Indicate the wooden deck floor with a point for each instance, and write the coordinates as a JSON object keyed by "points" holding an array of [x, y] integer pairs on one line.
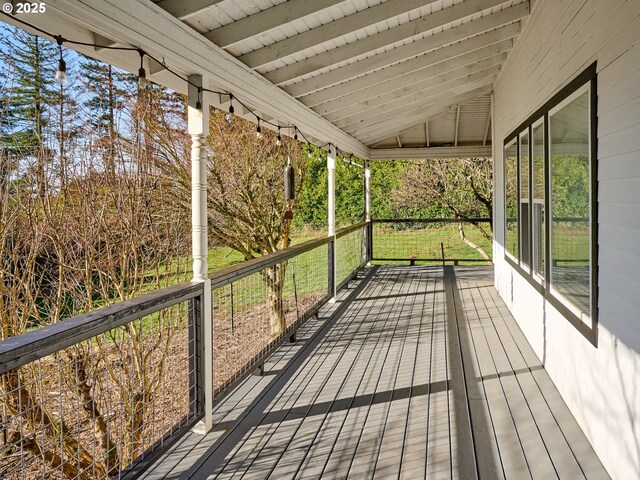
{"points": [[416, 372]]}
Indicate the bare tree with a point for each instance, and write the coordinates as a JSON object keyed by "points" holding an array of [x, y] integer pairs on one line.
{"points": [[462, 188], [246, 207]]}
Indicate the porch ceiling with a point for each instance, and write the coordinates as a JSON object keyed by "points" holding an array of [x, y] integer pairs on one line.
{"points": [[362, 74]]}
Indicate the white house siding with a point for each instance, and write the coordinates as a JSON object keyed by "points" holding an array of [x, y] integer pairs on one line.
{"points": [[601, 385]]}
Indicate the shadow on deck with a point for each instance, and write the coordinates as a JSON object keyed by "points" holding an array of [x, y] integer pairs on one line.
{"points": [[415, 372]]}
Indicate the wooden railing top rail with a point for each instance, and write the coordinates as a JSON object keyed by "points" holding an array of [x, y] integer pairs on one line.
{"points": [[28, 347], [430, 220], [244, 269]]}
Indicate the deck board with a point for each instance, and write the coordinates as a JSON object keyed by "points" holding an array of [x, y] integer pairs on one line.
{"points": [[415, 372]]}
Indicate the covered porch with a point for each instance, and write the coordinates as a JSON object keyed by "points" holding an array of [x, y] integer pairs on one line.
{"points": [[436, 368], [414, 372]]}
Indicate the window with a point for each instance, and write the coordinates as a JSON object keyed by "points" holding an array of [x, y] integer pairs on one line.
{"points": [[538, 195], [570, 177], [550, 201], [525, 216], [511, 198]]}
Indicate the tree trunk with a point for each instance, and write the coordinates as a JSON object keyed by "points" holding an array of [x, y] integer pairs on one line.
{"points": [[476, 247], [274, 279], [19, 401]]}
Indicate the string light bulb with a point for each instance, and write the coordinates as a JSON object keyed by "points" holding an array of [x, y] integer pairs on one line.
{"points": [[231, 111], [279, 139], [295, 134], [143, 82], [142, 74], [61, 72], [198, 102], [258, 130]]}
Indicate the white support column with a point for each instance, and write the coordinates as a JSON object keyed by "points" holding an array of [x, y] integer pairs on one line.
{"points": [[198, 126], [331, 220], [331, 199], [198, 129], [367, 209], [367, 191]]}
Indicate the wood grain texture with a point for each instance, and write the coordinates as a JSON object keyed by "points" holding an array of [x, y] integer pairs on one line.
{"points": [[411, 374]]}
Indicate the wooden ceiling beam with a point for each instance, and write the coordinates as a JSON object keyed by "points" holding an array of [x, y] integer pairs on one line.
{"points": [[184, 9], [266, 20], [473, 31], [330, 31], [492, 54], [400, 33], [430, 152], [439, 83], [421, 100], [402, 121]]}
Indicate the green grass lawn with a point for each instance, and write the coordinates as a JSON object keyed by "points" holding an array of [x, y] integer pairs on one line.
{"points": [[429, 243]]}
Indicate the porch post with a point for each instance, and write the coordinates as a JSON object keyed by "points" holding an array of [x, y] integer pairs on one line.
{"points": [[367, 209], [331, 209], [198, 127]]}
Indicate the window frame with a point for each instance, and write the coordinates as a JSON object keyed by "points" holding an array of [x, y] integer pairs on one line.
{"points": [[542, 279], [512, 143], [586, 88], [522, 241], [585, 81]]}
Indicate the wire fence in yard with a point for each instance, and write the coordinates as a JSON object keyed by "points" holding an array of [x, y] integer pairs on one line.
{"points": [[432, 241]]}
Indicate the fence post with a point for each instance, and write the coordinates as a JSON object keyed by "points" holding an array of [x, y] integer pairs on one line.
{"points": [[331, 220]]}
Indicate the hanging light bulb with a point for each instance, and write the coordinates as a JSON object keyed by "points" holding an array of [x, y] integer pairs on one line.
{"points": [[198, 102], [295, 135], [142, 74], [231, 112], [258, 130], [61, 72], [279, 139]]}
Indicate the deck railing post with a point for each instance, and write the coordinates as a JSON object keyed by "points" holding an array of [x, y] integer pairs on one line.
{"points": [[196, 357], [367, 210], [331, 220], [331, 257], [198, 126]]}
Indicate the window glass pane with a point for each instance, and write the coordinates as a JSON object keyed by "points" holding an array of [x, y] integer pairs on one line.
{"points": [[511, 198], [537, 186], [570, 202], [524, 198]]}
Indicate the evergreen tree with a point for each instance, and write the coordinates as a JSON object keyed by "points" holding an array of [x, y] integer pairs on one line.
{"points": [[105, 97], [32, 100]]}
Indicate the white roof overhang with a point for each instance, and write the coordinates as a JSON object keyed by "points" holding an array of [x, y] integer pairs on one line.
{"points": [[378, 79]]}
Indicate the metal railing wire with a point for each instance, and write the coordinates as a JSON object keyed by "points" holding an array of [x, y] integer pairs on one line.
{"points": [[456, 241], [351, 251], [101, 395], [255, 310], [94, 396]]}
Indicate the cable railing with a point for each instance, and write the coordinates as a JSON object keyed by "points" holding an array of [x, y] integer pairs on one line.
{"points": [[101, 395], [95, 395], [453, 241]]}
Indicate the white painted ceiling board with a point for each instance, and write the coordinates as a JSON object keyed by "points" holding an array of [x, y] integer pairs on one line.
{"points": [[374, 65]]}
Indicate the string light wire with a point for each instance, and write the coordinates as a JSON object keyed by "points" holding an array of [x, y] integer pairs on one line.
{"points": [[142, 76]]}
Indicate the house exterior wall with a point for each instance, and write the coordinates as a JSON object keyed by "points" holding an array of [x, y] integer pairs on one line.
{"points": [[600, 384]]}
